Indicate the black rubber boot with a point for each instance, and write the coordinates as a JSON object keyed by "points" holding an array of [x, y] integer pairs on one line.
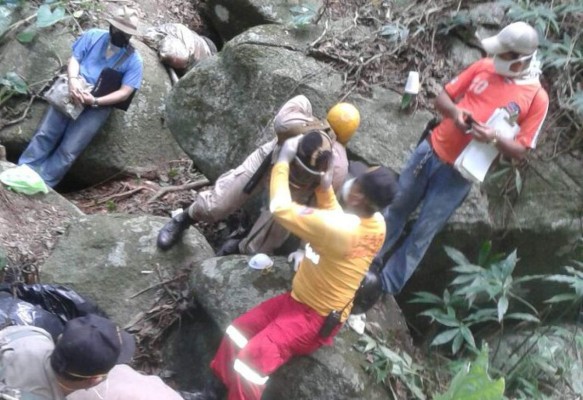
{"points": [[231, 246], [172, 231]]}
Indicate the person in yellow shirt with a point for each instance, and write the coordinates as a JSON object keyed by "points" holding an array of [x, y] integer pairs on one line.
{"points": [[341, 246]]}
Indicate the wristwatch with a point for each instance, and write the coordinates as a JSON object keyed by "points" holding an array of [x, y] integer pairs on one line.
{"points": [[95, 103]]}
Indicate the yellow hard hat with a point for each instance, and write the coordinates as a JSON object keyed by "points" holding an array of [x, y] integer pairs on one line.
{"points": [[344, 120]]}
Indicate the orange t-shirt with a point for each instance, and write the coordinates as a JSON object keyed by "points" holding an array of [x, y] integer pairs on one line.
{"points": [[480, 90]]}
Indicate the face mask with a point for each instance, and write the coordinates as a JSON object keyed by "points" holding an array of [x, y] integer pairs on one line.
{"points": [[345, 191], [502, 67], [118, 38]]}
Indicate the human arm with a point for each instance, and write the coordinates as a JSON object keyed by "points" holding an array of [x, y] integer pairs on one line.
{"points": [[448, 109], [454, 91], [131, 81], [507, 146], [118, 96], [530, 126], [75, 89], [309, 224], [325, 196]]}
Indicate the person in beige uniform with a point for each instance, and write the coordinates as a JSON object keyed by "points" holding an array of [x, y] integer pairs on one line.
{"points": [[86, 351], [179, 47], [229, 194]]}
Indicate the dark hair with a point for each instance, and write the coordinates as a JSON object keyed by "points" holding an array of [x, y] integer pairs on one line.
{"points": [[313, 142], [59, 365], [380, 186]]}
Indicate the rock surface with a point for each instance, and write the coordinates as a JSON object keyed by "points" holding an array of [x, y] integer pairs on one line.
{"points": [[232, 17], [226, 287], [110, 258]]}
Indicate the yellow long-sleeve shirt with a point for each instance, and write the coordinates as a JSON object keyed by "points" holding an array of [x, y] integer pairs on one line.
{"points": [[340, 246]]}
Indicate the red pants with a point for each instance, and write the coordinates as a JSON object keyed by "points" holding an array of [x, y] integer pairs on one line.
{"points": [[265, 338]]}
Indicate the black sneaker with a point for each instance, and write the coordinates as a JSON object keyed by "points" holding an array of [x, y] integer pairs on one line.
{"points": [[171, 233]]}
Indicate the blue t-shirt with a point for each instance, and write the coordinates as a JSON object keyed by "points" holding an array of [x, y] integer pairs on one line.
{"points": [[90, 48]]}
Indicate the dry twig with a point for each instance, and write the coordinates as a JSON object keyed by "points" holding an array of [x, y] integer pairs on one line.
{"points": [[123, 194], [187, 186]]}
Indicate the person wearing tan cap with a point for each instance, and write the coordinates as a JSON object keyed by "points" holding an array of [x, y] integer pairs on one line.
{"points": [[89, 347], [106, 59], [497, 103]]}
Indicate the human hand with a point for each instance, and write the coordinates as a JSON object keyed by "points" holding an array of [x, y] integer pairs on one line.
{"points": [[289, 149], [483, 133], [75, 90], [462, 119], [87, 98], [327, 177], [296, 257]]}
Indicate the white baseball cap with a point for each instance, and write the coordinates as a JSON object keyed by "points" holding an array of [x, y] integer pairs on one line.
{"points": [[518, 37]]}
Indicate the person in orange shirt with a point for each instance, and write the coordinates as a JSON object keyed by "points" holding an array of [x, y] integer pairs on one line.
{"points": [[341, 246], [508, 81]]}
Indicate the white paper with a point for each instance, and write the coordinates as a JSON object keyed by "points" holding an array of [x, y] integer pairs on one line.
{"points": [[475, 161]]}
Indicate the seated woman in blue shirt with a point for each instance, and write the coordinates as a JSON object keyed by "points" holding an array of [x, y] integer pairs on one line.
{"points": [[59, 140]]}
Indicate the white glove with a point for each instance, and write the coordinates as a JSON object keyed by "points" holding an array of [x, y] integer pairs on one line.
{"points": [[296, 257], [289, 149]]}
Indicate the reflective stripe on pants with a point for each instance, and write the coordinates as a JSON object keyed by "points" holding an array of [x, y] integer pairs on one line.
{"points": [[236, 336], [248, 373]]}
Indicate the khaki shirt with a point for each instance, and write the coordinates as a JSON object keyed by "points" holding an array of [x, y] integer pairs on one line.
{"points": [[124, 383], [24, 361], [298, 110]]}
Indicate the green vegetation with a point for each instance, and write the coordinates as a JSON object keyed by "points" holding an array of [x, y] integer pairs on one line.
{"points": [[562, 54], [387, 365], [41, 16], [532, 356], [10, 85], [473, 382]]}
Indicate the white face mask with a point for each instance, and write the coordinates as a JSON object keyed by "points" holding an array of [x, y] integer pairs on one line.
{"points": [[346, 187], [502, 67]]}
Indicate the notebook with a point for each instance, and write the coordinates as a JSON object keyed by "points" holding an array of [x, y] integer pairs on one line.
{"points": [[475, 161]]}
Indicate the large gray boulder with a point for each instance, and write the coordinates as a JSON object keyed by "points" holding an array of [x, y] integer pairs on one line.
{"points": [[226, 287], [232, 17], [132, 142], [222, 109], [111, 258]]}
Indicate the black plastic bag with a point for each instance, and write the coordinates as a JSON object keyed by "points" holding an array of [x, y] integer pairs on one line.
{"points": [[14, 311], [57, 299], [46, 306]]}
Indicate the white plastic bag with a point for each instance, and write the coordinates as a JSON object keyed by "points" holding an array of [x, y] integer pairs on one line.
{"points": [[23, 179]]}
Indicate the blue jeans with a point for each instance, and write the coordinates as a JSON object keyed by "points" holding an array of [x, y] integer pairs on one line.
{"points": [[440, 189], [59, 140]]}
